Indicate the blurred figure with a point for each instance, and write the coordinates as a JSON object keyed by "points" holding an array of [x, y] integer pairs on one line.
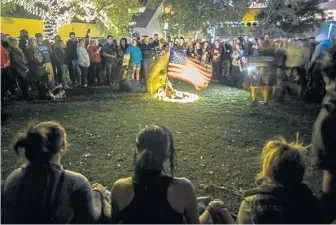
{"points": [[190, 48], [281, 197], [323, 154]]}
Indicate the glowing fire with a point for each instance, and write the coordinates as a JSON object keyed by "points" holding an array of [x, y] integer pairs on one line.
{"points": [[179, 96]]}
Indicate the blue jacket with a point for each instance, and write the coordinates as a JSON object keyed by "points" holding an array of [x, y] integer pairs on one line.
{"points": [[135, 53]]}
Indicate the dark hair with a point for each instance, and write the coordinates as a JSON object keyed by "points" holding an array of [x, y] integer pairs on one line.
{"points": [[11, 40], [146, 36], [182, 38], [72, 33], [41, 142], [109, 36], [37, 35], [154, 144]]}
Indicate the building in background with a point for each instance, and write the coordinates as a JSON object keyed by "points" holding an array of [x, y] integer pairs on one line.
{"points": [[20, 19], [146, 22]]}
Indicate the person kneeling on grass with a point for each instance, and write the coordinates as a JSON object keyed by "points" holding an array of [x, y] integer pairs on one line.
{"points": [[281, 197], [150, 196], [135, 61], [41, 191]]}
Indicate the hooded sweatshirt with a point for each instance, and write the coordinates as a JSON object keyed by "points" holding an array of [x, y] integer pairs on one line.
{"points": [[275, 204]]}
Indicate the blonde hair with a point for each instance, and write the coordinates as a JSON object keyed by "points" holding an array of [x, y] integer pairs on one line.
{"points": [[282, 162]]}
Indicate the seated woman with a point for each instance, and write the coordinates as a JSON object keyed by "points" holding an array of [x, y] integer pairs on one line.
{"points": [[151, 196], [41, 191], [280, 197]]}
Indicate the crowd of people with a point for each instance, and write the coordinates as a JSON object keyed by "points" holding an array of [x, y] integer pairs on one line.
{"points": [[52, 67], [42, 191]]}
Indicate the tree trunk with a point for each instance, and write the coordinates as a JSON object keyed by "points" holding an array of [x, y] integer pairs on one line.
{"points": [[51, 22]]}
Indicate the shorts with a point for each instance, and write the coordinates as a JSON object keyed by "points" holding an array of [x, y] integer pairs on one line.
{"points": [[136, 65]]}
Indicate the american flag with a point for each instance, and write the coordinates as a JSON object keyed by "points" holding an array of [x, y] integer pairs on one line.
{"points": [[189, 70]]}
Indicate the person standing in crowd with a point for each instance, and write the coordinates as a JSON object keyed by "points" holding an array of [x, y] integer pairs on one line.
{"points": [[123, 45], [160, 50], [23, 40], [41, 190], [216, 54], [95, 61], [135, 61], [226, 59], [323, 150], [62, 63], [19, 66], [44, 49], [148, 54], [40, 76], [156, 40], [198, 51], [206, 53], [190, 48], [181, 46], [281, 197], [83, 62], [122, 71], [71, 54], [55, 65], [237, 67], [7, 79], [109, 53], [150, 195]]}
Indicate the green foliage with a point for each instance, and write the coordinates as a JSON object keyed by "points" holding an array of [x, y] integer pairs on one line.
{"points": [[118, 13], [291, 17], [7, 9], [196, 15]]}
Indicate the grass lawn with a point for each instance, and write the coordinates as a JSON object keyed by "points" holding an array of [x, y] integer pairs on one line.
{"points": [[218, 138]]}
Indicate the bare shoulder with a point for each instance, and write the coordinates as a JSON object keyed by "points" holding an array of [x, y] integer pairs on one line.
{"points": [[122, 184], [182, 183]]}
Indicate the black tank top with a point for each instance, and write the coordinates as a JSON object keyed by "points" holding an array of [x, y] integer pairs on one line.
{"points": [[150, 204]]}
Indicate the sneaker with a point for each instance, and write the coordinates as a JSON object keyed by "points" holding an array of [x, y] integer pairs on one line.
{"points": [[67, 87], [85, 85]]}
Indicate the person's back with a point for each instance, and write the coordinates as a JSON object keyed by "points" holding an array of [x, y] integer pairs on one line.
{"points": [[27, 187], [150, 196], [153, 204], [41, 191], [275, 204], [281, 197]]}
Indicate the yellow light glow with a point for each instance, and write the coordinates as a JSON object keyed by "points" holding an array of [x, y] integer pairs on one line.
{"points": [[187, 97]]}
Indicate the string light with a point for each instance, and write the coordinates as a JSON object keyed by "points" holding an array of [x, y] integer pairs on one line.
{"points": [[56, 13]]}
